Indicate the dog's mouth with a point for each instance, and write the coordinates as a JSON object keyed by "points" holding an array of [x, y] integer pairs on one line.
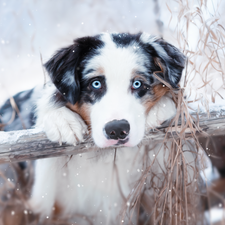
{"points": [[117, 143], [122, 141]]}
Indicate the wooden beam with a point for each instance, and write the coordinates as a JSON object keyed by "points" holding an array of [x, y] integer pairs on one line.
{"points": [[33, 144]]}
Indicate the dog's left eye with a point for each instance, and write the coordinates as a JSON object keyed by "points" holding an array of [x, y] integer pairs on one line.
{"points": [[136, 84], [96, 84]]}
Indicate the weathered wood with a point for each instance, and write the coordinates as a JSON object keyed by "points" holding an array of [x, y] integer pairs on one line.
{"points": [[33, 144]]}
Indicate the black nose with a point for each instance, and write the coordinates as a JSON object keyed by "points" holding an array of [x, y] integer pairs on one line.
{"points": [[117, 129]]}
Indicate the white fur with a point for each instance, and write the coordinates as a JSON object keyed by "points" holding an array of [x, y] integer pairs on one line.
{"points": [[69, 78], [146, 38], [88, 184], [59, 123], [118, 103], [164, 110]]}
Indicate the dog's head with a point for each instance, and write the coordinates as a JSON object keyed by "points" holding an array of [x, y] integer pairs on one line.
{"points": [[108, 79]]}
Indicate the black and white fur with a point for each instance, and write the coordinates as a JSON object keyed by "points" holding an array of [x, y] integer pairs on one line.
{"points": [[70, 107]]}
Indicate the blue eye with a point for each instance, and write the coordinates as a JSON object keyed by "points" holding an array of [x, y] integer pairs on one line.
{"points": [[136, 84], [96, 84]]}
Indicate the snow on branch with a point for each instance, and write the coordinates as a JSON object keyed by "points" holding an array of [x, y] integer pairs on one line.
{"points": [[32, 144]]}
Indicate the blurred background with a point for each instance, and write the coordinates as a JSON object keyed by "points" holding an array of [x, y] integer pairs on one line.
{"points": [[31, 31], [30, 28]]}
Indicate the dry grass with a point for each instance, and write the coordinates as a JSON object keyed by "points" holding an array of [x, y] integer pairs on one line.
{"points": [[173, 196]]}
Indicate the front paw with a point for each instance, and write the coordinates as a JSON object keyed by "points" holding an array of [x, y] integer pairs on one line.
{"points": [[63, 125], [163, 110]]}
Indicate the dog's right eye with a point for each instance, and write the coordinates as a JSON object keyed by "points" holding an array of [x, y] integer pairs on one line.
{"points": [[136, 84], [96, 84]]}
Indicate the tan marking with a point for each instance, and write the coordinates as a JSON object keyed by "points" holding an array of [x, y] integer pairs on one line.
{"points": [[135, 76], [56, 211], [159, 91], [100, 71], [97, 72], [14, 214], [83, 110]]}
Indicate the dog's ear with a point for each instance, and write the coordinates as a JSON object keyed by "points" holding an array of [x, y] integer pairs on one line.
{"points": [[62, 69], [166, 57], [65, 67]]}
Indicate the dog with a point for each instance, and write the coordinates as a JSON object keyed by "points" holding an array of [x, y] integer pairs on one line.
{"points": [[112, 87]]}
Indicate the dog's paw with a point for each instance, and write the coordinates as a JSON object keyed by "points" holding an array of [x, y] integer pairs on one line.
{"points": [[163, 110], [63, 125]]}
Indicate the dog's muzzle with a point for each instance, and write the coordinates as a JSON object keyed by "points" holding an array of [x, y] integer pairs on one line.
{"points": [[117, 129]]}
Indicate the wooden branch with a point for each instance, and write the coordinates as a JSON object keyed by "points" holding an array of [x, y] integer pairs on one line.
{"points": [[33, 144]]}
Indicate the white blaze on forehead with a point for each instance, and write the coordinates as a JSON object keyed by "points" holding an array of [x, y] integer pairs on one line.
{"points": [[118, 62], [117, 105]]}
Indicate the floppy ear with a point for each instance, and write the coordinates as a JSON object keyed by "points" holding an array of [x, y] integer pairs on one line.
{"points": [[65, 68], [166, 57], [62, 69]]}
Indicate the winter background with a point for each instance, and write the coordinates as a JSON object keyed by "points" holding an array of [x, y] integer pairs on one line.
{"points": [[31, 31], [30, 28]]}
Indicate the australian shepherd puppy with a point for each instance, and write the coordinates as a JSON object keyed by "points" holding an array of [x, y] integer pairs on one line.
{"points": [[103, 86]]}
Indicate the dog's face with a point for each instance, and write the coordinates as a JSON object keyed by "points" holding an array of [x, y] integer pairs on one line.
{"points": [[108, 80]]}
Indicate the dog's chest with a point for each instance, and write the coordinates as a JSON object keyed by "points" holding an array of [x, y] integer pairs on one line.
{"points": [[97, 184]]}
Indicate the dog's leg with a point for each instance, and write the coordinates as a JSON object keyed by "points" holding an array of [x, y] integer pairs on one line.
{"points": [[44, 189], [62, 125], [59, 123]]}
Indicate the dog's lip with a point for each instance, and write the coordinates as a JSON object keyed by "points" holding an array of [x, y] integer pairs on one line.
{"points": [[122, 141], [110, 143]]}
